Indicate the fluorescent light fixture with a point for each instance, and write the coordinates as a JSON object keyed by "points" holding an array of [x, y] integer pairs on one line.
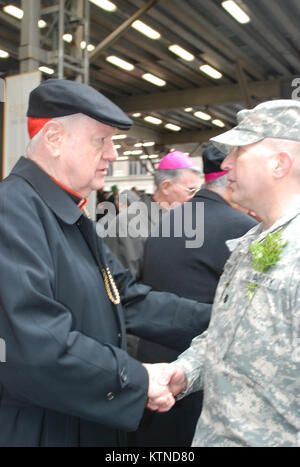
{"points": [[153, 156], [117, 146], [144, 156], [138, 145], [188, 109], [146, 30], [136, 115], [202, 115], [13, 11], [172, 127], [121, 136], [127, 153], [90, 47], [117, 61], [234, 10], [182, 53], [4, 54], [42, 24], [218, 123], [68, 37], [210, 71], [104, 4], [122, 158], [136, 152], [149, 143], [154, 120], [154, 79], [47, 70]]}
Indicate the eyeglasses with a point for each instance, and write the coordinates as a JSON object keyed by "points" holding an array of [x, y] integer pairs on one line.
{"points": [[191, 191]]}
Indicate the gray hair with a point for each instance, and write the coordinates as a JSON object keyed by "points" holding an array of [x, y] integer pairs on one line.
{"points": [[166, 174], [220, 182], [66, 121]]}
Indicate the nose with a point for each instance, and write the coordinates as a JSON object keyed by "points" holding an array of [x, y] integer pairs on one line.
{"points": [[110, 153]]}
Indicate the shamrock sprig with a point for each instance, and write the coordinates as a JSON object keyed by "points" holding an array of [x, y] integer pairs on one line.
{"points": [[265, 254]]}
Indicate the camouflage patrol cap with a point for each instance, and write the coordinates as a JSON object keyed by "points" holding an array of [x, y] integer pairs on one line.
{"points": [[271, 119]]}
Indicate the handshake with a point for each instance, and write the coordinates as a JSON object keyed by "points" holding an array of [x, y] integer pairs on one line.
{"points": [[165, 382]]}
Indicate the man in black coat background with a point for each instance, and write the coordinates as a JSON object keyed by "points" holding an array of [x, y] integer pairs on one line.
{"points": [[178, 263]]}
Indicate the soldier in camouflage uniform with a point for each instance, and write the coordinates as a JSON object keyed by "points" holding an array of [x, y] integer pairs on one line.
{"points": [[248, 361]]}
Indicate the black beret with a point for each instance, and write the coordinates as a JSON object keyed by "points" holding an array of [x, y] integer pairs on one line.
{"points": [[60, 97], [212, 159]]}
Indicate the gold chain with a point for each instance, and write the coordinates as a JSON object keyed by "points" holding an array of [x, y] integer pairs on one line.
{"points": [[110, 286]]}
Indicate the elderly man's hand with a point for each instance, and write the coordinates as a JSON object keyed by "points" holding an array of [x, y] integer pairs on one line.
{"points": [[165, 382]]}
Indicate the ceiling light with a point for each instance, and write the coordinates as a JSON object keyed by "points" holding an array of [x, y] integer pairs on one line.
{"points": [[136, 115], [154, 79], [149, 143], [104, 4], [218, 123], [67, 37], [122, 158], [153, 156], [42, 24], [136, 152], [127, 153], [146, 30], [210, 71], [202, 115], [154, 120], [188, 109], [119, 136], [172, 127], [138, 145], [117, 146], [47, 70], [120, 63], [144, 156], [90, 47], [234, 10], [4, 54], [13, 11], [182, 53]]}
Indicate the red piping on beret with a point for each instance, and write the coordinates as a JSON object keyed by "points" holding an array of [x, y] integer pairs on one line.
{"points": [[35, 125]]}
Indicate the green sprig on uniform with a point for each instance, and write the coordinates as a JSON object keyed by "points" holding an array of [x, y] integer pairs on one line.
{"points": [[265, 254]]}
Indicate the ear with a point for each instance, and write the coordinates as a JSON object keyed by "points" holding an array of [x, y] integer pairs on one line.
{"points": [[282, 163], [53, 135], [165, 186]]}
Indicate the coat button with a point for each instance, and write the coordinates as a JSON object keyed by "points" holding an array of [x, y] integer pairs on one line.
{"points": [[123, 375], [110, 396]]}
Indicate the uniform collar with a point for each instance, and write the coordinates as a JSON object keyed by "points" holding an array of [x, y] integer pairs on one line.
{"points": [[56, 198], [257, 232]]}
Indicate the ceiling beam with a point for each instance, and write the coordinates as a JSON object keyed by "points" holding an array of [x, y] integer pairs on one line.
{"points": [[183, 137], [117, 33], [199, 96]]}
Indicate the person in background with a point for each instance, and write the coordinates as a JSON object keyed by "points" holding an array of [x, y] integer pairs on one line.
{"points": [[248, 360], [114, 197], [176, 180], [65, 300], [170, 265]]}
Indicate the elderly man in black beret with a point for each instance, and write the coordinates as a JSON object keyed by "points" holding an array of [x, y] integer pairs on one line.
{"points": [[65, 300]]}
